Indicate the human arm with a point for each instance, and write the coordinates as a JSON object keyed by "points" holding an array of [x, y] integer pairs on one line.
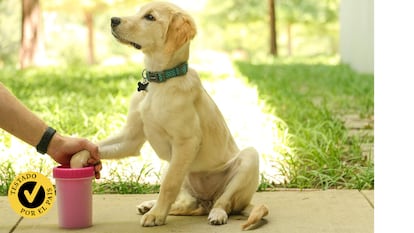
{"points": [[18, 120]]}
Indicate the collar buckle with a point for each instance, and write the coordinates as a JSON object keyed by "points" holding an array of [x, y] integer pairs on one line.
{"points": [[162, 76], [152, 76]]}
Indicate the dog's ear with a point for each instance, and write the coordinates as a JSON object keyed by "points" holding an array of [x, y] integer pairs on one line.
{"points": [[181, 29]]}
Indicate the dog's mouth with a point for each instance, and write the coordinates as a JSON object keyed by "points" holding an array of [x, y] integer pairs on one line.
{"points": [[122, 40]]}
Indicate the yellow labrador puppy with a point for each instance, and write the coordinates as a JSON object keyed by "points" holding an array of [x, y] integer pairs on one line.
{"points": [[208, 173]]}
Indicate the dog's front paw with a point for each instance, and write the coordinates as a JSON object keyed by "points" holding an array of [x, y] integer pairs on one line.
{"points": [[80, 159], [217, 216], [151, 220], [145, 206]]}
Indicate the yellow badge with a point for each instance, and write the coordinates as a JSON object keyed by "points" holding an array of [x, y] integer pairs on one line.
{"points": [[31, 194]]}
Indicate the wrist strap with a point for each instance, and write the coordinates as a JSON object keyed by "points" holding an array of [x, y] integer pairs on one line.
{"points": [[45, 140]]}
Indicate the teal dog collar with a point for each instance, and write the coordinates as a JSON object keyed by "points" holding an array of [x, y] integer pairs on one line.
{"points": [[164, 75]]}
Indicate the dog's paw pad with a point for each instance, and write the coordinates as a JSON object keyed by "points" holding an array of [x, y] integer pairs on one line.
{"points": [[145, 206], [151, 220], [217, 216]]}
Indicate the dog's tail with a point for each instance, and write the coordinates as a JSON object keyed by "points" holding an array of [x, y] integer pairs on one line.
{"points": [[255, 213]]}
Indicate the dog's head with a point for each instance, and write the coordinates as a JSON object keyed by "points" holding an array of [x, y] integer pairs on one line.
{"points": [[157, 26]]}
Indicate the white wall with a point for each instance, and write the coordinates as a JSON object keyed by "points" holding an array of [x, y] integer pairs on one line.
{"points": [[357, 34]]}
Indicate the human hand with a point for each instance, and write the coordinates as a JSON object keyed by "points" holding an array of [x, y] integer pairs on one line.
{"points": [[81, 159], [62, 148]]}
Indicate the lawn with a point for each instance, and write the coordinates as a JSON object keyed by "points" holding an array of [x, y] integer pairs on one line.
{"points": [[293, 112], [314, 100]]}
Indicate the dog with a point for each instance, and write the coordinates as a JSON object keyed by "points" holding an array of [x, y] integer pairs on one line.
{"points": [[207, 173]]}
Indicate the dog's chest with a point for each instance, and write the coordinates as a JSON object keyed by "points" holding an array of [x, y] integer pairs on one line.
{"points": [[154, 109], [169, 116], [154, 114]]}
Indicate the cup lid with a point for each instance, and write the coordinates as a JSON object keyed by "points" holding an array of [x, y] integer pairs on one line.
{"points": [[67, 172]]}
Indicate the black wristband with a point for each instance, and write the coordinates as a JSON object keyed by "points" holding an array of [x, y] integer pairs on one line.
{"points": [[45, 140]]}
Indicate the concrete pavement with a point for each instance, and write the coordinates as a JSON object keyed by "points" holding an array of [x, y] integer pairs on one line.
{"points": [[291, 211]]}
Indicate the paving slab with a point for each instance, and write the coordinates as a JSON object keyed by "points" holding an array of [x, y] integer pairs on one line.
{"points": [[292, 211], [369, 195]]}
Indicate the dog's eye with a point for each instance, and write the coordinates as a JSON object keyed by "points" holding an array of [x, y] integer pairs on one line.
{"points": [[149, 17]]}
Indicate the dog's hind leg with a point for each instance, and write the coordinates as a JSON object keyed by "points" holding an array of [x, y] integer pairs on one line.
{"points": [[187, 205], [240, 189], [130, 139]]}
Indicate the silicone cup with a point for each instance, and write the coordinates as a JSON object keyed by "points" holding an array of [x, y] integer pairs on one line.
{"points": [[74, 196]]}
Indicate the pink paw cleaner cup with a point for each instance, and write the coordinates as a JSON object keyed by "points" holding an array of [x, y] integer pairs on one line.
{"points": [[74, 196]]}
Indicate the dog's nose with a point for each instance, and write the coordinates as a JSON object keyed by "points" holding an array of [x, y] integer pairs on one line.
{"points": [[115, 21]]}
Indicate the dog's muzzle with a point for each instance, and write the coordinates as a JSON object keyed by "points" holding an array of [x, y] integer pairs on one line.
{"points": [[115, 21]]}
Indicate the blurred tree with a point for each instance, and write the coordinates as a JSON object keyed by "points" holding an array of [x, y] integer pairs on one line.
{"points": [[31, 45], [91, 44], [88, 8], [9, 32], [236, 10], [244, 12], [313, 13], [272, 24]]}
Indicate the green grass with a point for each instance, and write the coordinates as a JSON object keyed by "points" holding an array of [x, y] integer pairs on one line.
{"points": [[74, 99], [7, 175], [126, 184], [311, 99], [307, 99]]}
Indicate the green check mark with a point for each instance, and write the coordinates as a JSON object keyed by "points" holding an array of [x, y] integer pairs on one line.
{"points": [[31, 196]]}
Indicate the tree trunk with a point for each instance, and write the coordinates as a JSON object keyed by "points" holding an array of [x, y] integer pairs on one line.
{"points": [[289, 39], [31, 44], [273, 33], [91, 45]]}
